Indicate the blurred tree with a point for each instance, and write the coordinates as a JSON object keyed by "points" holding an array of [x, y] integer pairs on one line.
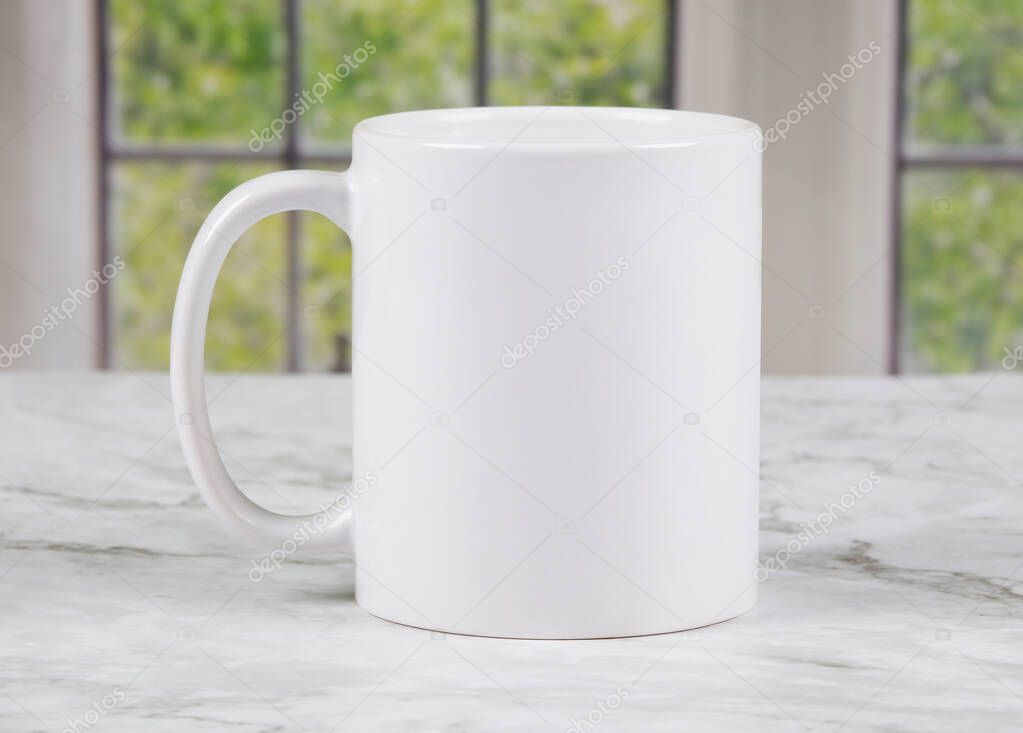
{"points": [[158, 209], [963, 279], [964, 79], [196, 72], [420, 56], [326, 276], [597, 52]]}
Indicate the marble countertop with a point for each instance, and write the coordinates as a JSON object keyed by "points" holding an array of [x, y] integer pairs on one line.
{"points": [[123, 607]]}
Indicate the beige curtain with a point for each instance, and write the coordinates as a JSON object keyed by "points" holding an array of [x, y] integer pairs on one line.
{"points": [[48, 163]]}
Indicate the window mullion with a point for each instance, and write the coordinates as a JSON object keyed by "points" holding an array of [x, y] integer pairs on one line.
{"points": [[103, 247], [482, 53], [671, 55], [898, 166], [293, 307]]}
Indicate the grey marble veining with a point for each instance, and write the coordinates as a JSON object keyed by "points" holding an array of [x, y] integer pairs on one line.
{"points": [[120, 595]]}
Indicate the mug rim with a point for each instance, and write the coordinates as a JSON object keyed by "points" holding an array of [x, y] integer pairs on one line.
{"points": [[477, 127]]}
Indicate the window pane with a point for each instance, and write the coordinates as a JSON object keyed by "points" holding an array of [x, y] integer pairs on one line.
{"points": [[610, 52], [965, 72], [200, 72], [370, 57], [157, 210], [962, 269], [326, 256]]}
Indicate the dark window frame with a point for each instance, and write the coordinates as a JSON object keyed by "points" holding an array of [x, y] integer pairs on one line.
{"points": [[289, 157]]}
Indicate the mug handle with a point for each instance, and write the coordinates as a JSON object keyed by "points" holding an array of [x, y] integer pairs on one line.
{"points": [[320, 191]]}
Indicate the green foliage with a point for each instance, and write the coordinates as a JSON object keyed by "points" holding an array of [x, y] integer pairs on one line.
{"points": [[326, 275], [421, 58], [578, 52], [963, 269], [159, 208], [965, 71], [204, 71]]}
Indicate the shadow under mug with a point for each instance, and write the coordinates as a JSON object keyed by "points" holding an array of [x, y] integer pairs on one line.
{"points": [[556, 349]]}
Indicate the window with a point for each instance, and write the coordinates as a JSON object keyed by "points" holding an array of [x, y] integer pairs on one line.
{"points": [[961, 183], [195, 99]]}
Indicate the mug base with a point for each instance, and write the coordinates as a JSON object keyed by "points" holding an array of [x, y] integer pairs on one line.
{"points": [[739, 609]]}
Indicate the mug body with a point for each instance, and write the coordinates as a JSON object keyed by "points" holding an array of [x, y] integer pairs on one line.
{"points": [[556, 348]]}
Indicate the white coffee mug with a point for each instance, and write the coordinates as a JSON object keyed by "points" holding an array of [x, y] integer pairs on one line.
{"points": [[556, 349]]}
